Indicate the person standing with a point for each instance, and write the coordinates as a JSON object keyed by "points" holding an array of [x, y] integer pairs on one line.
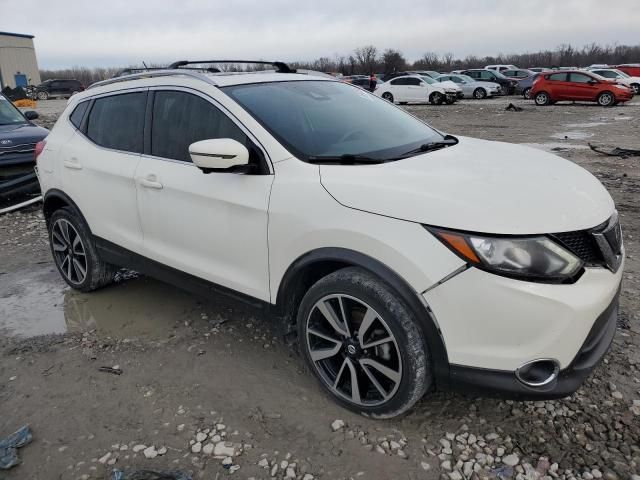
{"points": [[372, 82]]}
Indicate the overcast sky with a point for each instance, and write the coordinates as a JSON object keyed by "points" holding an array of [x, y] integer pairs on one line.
{"points": [[124, 32]]}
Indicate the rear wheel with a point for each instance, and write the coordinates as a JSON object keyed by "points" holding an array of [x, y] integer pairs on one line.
{"points": [[436, 98], [542, 99], [42, 95], [363, 344], [606, 99], [388, 96], [479, 93], [527, 93], [75, 254]]}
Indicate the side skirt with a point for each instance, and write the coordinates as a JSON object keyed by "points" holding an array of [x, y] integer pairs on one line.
{"points": [[117, 255]]}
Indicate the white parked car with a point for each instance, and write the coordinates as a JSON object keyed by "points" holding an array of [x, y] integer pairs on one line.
{"points": [[500, 68], [613, 74], [470, 87], [416, 89], [408, 260]]}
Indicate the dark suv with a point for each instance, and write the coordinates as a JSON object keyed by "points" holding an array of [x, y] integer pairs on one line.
{"points": [[507, 85], [58, 88], [18, 138]]}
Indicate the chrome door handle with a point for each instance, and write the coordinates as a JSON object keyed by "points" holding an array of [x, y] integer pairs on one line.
{"points": [[149, 183], [73, 164]]}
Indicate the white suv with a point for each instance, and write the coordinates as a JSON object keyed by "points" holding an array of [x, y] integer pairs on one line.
{"points": [[409, 260]]}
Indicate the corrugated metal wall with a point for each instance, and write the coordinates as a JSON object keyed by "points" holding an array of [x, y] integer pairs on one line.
{"points": [[17, 54]]}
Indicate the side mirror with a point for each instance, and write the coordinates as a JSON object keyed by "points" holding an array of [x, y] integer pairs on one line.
{"points": [[31, 115], [220, 155]]}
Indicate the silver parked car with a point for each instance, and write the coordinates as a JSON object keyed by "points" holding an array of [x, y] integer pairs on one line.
{"points": [[471, 88]]}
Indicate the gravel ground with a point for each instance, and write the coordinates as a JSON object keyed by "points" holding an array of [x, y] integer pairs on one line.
{"points": [[212, 388]]}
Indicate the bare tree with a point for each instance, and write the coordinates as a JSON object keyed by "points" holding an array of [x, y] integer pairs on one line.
{"points": [[393, 61], [367, 58]]}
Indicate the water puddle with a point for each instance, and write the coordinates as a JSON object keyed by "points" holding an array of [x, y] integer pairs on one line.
{"points": [[572, 135], [38, 302], [584, 125]]}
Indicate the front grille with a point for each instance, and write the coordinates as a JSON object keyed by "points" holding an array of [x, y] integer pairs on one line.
{"points": [[581, 244], [15, 149]]}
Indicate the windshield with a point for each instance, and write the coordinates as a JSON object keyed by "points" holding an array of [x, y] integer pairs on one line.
{"points": [[315, 119], [9, 115]]}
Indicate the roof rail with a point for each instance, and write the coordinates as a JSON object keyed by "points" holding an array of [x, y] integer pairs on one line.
{"points": [[281, 67], [129, 71], [194, 73]]}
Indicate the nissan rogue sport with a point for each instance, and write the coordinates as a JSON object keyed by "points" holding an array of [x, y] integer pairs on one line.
{"points": [[409, 260]]}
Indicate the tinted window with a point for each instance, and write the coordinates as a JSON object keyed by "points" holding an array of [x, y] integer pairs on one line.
{"points": [[117, 122], [487, 75], [399, 81], [606, 73], [579, 78], [78, 113], [557, 77], [413, 81], [180, 119]]}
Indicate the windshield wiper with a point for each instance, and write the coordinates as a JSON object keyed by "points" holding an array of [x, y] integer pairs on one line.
{"points": [[448, 141], [346, 159]]}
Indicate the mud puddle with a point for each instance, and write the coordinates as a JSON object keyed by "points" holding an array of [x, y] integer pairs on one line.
{"points": [[36, 301]]}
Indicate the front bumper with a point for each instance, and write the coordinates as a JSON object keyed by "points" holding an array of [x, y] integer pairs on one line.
{"points": [[505, 384]]}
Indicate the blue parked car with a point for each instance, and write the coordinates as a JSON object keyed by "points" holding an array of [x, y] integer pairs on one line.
{"points": [[524, 86], [18, 138]]}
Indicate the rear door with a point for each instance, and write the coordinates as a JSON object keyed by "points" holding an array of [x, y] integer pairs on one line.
{"points": [[99, 162], [557, 86], [213, 226]]}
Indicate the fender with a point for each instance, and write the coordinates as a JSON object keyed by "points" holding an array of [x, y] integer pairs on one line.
{"points": [[55, 197], [295, 282]]}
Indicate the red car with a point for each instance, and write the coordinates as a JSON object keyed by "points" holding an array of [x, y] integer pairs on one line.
{"points": [[578, 85], [631, 69]]}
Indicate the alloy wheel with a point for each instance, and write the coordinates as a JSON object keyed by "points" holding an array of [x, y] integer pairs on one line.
{"points": [[42, 95], [387, 96], [605, 99], [69, 251], [353, 350]]}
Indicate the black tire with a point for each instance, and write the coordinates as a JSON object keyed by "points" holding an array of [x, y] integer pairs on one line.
{"points": [[97, 272], [606, 99], [450, 100], [42, 95], [436, 98], [542, 99], [355, 285], [479, 93], [636, 88], [526, 93], [388, 96], [403, 103]]}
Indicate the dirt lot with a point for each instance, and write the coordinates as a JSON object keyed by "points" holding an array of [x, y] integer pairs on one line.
{"points": [[191, 364]]}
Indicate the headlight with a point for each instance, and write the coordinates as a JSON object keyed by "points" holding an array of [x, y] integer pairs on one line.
{"points": [[535, 258]]}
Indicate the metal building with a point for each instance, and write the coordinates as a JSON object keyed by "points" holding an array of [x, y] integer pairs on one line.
{"points": [[18, 63]]}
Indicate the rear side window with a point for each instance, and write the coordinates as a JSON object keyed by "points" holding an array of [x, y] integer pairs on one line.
{"points": [[413, 81], [180, 119], [117, 122], [78, 113], [557, 77], [399, 81]]}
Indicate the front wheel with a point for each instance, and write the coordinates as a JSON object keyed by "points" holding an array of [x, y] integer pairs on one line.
{"points": [[388, 96], [363, 344], [436, 98], [75, 254], [606, 99], [42, 95], [636, 88], [542, 99], [479, 93]]}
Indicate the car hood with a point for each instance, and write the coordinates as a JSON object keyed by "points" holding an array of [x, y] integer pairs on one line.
{"points": [[476, 185], [20, 134]]}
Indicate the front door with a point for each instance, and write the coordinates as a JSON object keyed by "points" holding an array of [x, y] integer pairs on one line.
{"points": [[583, 86], [213, 226]]}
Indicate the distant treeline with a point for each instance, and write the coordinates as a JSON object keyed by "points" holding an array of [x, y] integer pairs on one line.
{"points": [[368, 59]]}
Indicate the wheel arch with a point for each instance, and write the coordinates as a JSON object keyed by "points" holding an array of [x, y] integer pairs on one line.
{"points": [[316, 264], [55, 199]]}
